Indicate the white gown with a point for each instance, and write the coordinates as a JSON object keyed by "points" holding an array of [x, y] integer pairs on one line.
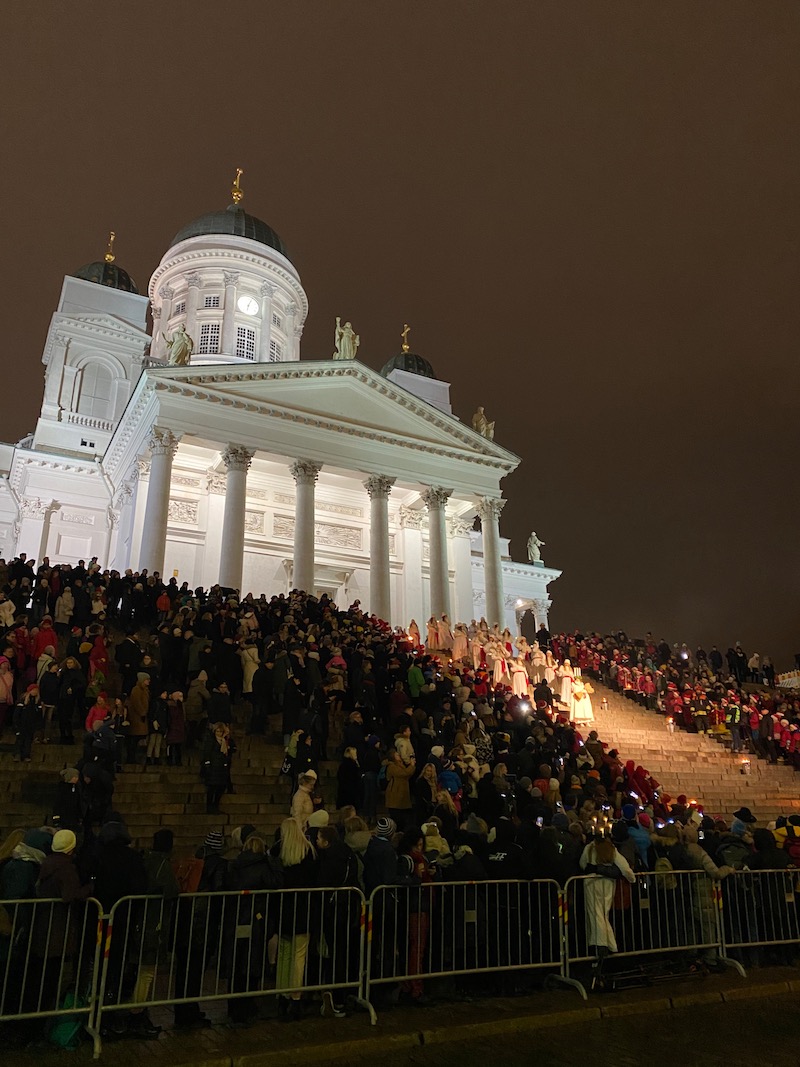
{"points": [[519, 678], [565, 693], [582, 712], [460, 646]]}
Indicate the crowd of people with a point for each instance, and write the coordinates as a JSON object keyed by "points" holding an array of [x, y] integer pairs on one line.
{"points": [[698, 691], [466, 756]]}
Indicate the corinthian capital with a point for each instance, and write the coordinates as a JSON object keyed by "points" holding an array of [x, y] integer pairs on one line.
{"points": [[459, 527], [379, 485], [268, 289], [231, 276], [435, 498], [166, 292], [162, 442], [411, 519], [489, 507], [237, 457], [305, 471], [193, 279]]}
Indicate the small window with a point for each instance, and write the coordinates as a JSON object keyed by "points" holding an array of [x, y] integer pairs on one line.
{"points": [[209, 339], [275, 352], [245, 342], [211, 302], [276, 320], [179, 309]]}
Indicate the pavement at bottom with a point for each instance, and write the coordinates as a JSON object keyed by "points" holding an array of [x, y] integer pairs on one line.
{"points": [[713, 1021]]}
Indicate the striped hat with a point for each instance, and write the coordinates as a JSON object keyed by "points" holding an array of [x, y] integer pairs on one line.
{"points": [[385, 827], [214, 841]]}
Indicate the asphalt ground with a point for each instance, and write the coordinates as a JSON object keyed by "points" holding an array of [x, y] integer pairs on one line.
{"points": [[701, 1020]]}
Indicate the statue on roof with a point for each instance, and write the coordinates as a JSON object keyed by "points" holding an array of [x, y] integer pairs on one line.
{"points": [[180, 347], [481, 425], [534, 545], [346, 340]]}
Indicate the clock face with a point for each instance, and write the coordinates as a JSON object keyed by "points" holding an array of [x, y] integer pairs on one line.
{"points": [[247, 305]]}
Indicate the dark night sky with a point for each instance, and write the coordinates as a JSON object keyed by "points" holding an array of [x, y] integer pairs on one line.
{"points": [[587, 211]]}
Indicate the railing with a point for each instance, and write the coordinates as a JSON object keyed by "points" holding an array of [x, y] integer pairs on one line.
{"points": [[231, 946], [462, 928], [50, 963], [77, 968], [89, 422]]}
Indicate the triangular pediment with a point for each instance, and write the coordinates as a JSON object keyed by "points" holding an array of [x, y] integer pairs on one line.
{"points": [[324, 393], [98, 324]]}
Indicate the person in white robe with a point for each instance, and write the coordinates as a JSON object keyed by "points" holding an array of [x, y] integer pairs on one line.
{"points": [[445, 634], [582, 712], [460, 643], [476, 645], [413, 633], [519, 677], [566, 675], [598, 893], [433, 634], [549, 668]]}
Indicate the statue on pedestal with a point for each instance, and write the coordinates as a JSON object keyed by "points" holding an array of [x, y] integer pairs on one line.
{"points": [[534, 544], [346, 340], [481, 425], [180, 347]]}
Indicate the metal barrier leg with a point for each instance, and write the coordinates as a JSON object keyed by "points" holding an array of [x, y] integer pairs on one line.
{"points": [[362, 996], [563, 977]]}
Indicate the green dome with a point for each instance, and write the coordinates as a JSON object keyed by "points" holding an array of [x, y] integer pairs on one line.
{"points": [[409, 362], [109, 274], [235, 221]]}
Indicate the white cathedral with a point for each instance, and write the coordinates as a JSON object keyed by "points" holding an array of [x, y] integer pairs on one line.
{"points": [[249, 466]]}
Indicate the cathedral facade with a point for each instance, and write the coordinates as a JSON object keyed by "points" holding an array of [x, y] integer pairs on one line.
{"points": [[206, 449]]}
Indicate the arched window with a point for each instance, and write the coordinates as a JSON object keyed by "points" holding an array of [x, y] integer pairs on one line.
{"points": [[97, 383]]}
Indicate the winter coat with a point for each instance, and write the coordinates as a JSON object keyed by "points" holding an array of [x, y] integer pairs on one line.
{"points": [[197, 698], [21, 873], [349, 788], [176, 731], [214, 763], [398, 794], [250, 663], [139, 709], [302, 806]]}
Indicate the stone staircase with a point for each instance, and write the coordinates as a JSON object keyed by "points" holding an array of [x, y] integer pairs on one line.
{"points": [[695, 764], [153, 797]]}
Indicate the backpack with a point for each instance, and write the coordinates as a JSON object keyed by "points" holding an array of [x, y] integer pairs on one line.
{"points": [[733, 854], [383, 781], [64, 1030], [188, 874]]}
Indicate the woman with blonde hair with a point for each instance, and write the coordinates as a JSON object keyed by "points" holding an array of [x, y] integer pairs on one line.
{"points": [[447, 813], [601, 859], [299, 859]]}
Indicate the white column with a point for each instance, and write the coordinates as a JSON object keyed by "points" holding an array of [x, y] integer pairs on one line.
{"points": [[380, 598], [489, 508], [435, 499], [413, 607], [305, 473], [192, 300], [462, 564], [288, 325], [237, 459], [214, 512], [228, 346], [163, 445], [268, 290], [541, 608]]}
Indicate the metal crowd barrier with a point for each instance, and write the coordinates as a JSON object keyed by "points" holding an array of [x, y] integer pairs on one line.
{"points": [[760, 910], [68, 963], [49, 964], [664, 912], [234, 945], [440, 929]]}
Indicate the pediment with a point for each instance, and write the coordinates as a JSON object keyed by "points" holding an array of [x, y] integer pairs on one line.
{"points": [[108, 325], [325, 395]]}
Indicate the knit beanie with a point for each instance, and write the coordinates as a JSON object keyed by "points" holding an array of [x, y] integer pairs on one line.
{"points": [[628, 812], [214, 841], [385, 827]]}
